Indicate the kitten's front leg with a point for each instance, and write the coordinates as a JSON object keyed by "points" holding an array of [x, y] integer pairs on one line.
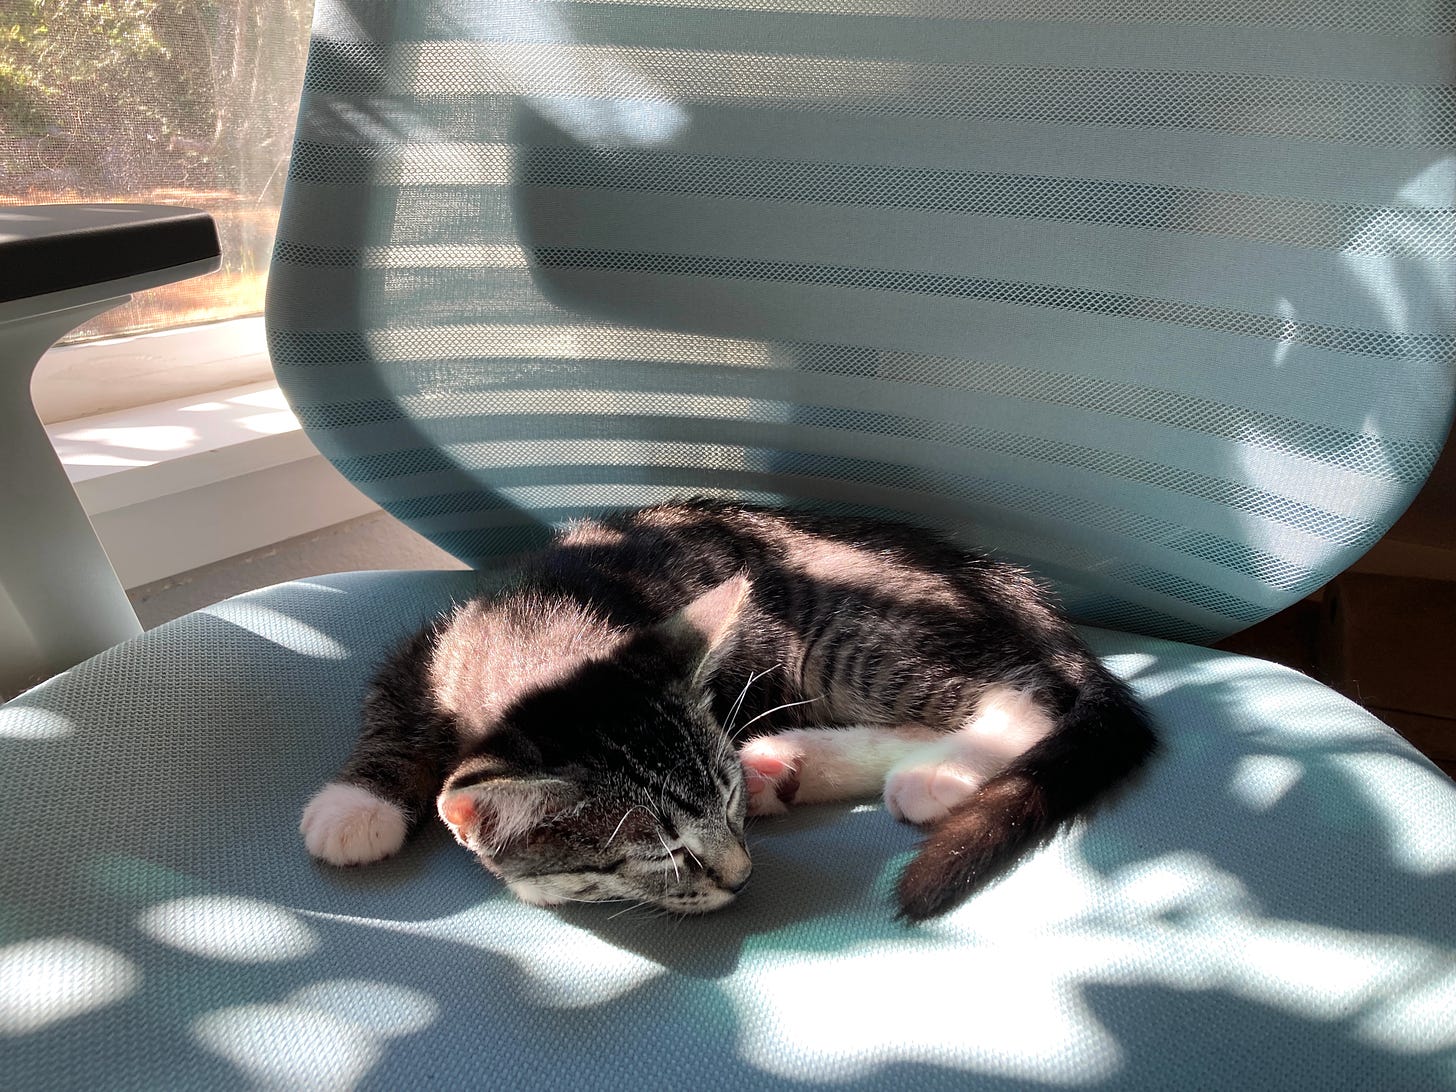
{"points": [[819, 765], [348, 824], [367, 812], [390, 781]]}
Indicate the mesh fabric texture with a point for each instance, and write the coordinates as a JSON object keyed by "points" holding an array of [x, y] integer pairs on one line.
{"points": [[1274, 906], [1152, 295], [1155, 298]]}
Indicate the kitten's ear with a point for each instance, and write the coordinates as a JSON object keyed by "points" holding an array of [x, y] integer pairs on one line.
{"points": [[707, 628], [501, 808]]}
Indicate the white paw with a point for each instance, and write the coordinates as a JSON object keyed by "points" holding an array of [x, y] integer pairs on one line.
{"points": [[927, 791], [771, 767], [346, 825]]}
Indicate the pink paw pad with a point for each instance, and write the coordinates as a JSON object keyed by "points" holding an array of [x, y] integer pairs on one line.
{"points": [[770, 774]]}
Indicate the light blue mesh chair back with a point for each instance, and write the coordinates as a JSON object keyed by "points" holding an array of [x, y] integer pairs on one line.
{"points": [[1154, 296]]}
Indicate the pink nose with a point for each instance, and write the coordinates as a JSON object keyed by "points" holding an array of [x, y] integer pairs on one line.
{"points": [[733, 869]]}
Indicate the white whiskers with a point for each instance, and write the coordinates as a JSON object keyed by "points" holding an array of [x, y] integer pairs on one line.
{"points": [[677, 873], [622, 820], [786, 705], [635, 906], [753, 677]]}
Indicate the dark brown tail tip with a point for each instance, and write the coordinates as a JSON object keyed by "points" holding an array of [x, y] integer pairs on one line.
{"points": [[922, 895], [973, 845]]}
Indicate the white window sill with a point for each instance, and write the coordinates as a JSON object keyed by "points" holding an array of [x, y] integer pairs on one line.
{"points": [[97, 377], [189, 481]]}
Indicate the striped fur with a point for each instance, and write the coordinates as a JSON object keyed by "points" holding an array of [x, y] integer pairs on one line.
{"points": [[587, 732]]}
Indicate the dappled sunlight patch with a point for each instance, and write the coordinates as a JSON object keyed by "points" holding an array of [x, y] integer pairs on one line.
{"points": [[1433, 186], [229, 927], [279, 628], [1261, 781], [277, 419], [561, 965], [314, 585], [1167, 886], [1313, 971], [28, 723], [1159, 677], [99, 458], [1387, 254], [1200, 929], [1272, 704], [50, 980], [1409, 800], [378, 1007], [147, 438], [268, 398], [1004, 985], [326, 1036], [1052, 888], [982, 1007], [990, 989], [269, 424], [1419, 1019], [1289, 331], [1130, 665], [578, 969]]}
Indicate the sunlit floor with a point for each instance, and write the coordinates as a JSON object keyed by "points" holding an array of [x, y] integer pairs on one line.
{"points": [[370, 542]]}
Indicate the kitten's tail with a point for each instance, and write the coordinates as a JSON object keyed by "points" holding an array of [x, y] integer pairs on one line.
{"points": [[1101, 740]]}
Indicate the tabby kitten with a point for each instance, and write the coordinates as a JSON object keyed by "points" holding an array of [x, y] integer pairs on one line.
{"points": [[601, 730]]}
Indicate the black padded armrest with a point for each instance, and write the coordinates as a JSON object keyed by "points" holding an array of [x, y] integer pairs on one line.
{"points": [[49, 248]]}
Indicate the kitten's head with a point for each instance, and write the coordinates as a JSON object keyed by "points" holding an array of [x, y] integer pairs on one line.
{"points": [[617, 784]]}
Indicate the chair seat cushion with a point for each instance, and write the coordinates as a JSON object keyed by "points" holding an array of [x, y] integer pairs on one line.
{"points": [[1272, 906]]}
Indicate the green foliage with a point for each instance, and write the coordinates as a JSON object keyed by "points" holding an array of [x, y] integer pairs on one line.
{"points": [[21, 84], [118, 93], [54, 49]]}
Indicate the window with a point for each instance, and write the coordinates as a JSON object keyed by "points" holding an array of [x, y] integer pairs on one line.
{"points": [[185, 102]]}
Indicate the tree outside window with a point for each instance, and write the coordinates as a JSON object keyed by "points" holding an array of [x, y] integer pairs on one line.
{"points": [[187, 102]]}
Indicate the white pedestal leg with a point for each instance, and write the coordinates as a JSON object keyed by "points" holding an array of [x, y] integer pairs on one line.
{"points": [[60, 599]]}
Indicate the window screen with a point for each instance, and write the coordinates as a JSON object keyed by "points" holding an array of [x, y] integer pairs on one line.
{"points": [[186, 102]]}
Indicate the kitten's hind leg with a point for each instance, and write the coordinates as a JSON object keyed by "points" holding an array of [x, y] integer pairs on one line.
{"points": [[819, 765], [925, 785]]}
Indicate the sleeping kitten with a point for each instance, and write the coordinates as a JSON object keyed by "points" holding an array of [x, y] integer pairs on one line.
{"points": [[600, 731]]}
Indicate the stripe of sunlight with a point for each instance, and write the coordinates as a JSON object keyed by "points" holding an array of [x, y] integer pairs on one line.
{"points": [[638, 112], [279, 628]]}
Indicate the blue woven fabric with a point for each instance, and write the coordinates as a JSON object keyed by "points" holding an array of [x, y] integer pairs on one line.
{"points": [[1155, 297], [1274, 906], [1152, 295]]}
